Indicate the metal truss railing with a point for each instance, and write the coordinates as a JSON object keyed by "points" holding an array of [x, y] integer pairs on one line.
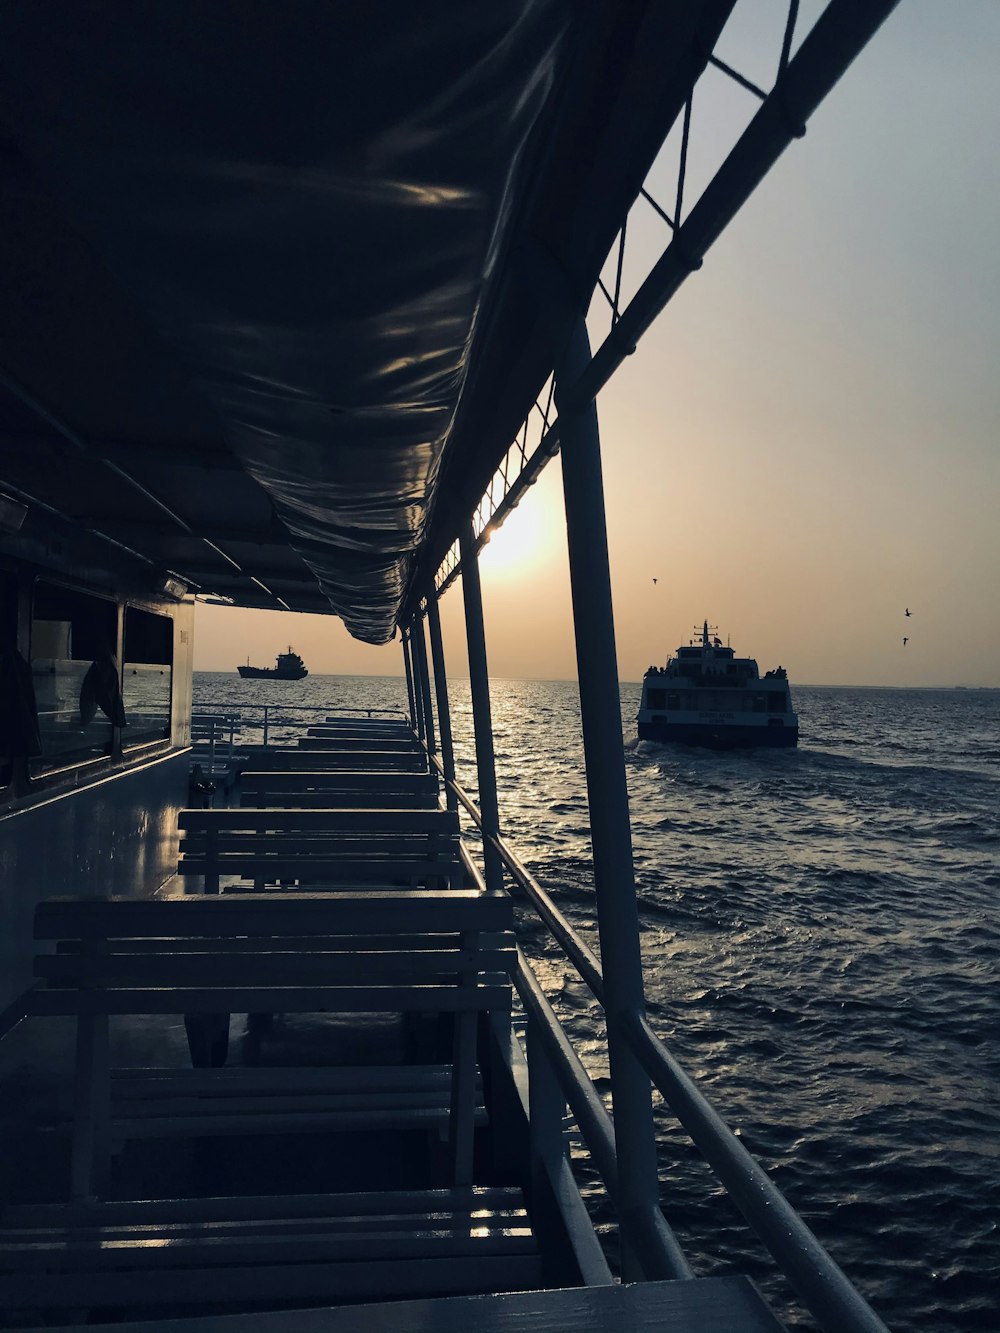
{"points": [[535, 443], [801, 83]]}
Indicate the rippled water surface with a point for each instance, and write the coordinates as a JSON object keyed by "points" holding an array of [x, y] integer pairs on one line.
{"points": [[822, 949]]}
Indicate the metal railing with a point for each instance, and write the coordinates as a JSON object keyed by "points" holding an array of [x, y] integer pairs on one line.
{"points": [[255, 724], [819, 1282]]}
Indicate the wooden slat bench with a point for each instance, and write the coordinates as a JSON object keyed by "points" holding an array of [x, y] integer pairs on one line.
{"points": [[341, 756], [404, 848], [358, 735], [399, 723], [334, 738], [403, 758], [244, 1252], [170, 1103], [343, 952], [350, 789]]}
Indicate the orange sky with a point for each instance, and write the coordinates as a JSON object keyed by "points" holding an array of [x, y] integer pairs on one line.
{"points": [[806, 441]]}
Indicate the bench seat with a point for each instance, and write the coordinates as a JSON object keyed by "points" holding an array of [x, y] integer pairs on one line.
{"points": [[154, 1254], [169, 1103], [207, 956], [405, 847]]}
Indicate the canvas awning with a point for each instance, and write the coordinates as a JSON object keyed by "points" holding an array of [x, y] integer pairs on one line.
{"points": [[281, 281]]}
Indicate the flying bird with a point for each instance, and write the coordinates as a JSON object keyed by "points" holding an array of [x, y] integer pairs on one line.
{"points": [[905, 641], [907, 611]]}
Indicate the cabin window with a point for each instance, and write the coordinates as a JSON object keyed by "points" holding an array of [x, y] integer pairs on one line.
{"points": [[146, 676], [655, 698], [75, 673], [760, 703], [673, 701], [775, 703]]}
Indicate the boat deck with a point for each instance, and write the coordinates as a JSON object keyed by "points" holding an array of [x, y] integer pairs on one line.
{"points": [[353, 1127]]}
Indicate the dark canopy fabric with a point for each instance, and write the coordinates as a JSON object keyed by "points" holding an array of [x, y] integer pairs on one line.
{"points": [[350, 236]]}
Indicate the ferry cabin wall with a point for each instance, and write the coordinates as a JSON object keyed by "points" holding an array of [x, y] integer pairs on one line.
{"points": [[91, 819], [733, 701]]}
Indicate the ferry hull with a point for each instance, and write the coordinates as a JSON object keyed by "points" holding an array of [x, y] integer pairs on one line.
{"points": [[719, 737]]}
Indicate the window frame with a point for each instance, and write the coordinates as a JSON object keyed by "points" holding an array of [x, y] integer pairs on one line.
{"points": [[43, 769], [145, 744]]}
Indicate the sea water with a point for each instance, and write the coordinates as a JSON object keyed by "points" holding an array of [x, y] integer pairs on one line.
{"points": [[822, 946]]}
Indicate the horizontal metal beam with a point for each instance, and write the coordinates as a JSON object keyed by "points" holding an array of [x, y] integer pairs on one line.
{"points": [[273, 576], [207, 459], [273, 535], [838, 36]]}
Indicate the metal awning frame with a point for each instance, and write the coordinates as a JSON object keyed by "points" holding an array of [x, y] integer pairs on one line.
{"points": [[802, 82]]}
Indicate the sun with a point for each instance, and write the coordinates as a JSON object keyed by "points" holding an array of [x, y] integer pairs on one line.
{"points": [[520, 544]]}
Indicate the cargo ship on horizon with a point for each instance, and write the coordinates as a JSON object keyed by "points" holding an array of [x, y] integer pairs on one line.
{"points": [[288, 666]]}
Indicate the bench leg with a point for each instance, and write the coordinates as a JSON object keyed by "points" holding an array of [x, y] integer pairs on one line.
{"points": [[461, 1120], [208, 1039], [90, 1161]]}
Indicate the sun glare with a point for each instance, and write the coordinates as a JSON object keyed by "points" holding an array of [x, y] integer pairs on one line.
{"points": [[516, 546]]}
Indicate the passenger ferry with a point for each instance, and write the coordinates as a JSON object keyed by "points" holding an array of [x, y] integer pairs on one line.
{"points": [[706, 695], [293, 315]]}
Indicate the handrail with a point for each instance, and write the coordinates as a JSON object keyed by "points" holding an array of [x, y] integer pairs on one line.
{"points": [[592, 1115], [823, 1287], [661, 1256], [266, 721], [820, 1283], [582, 957]]}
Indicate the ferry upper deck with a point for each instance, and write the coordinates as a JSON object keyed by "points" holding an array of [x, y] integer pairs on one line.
{"points": [[293, 315]]}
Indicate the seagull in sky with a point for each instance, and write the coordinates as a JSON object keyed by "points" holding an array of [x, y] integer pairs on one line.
{"points": [[905, 641], [907, 611]]}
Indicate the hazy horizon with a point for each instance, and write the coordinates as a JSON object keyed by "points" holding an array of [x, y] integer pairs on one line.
{"points": [[805, 443]]}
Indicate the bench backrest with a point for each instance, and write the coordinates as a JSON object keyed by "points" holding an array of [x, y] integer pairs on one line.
{"points": [[347, 788], [345, 822], [361, 846], [365, 952], [331, 736], [308, 755], [210, 956]]}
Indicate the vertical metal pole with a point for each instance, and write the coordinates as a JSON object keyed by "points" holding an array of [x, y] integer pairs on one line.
{"points": [[607, 791], [424, 681], [441, 690], [479, 684], [409, 676], [546, 1107], [416, 719], [265, 725]]}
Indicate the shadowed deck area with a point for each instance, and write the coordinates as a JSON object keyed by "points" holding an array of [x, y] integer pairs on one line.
{"points": [[279, 1084]]}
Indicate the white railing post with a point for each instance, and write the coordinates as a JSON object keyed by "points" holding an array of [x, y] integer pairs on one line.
{"points": [[424, 681], [479, 684], [412, 690], [443, 707], [614, 876]]}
